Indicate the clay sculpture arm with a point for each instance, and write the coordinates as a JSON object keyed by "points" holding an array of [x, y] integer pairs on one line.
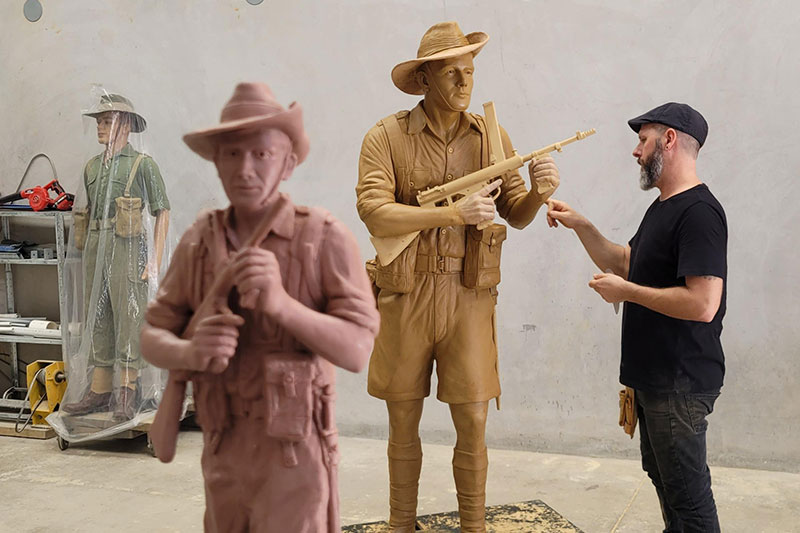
{"points": [[385, 216], [455, 193], [344, 331]]}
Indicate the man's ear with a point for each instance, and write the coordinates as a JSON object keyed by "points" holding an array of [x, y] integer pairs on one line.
{"points": [[291, 164], [670, 139], [422, 79]]}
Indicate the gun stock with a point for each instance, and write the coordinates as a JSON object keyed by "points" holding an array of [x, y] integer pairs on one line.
{"points": [[388, 248], [164, 430]]}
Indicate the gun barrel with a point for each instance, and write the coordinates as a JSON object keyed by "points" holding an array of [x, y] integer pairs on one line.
{"points": [[556, 147]]}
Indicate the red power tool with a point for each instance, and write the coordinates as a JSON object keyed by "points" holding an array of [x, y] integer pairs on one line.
{"points": [[40, 199]]}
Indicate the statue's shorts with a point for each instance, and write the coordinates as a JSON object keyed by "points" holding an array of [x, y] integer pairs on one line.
{"points": [[439, 320], [250, 487]]}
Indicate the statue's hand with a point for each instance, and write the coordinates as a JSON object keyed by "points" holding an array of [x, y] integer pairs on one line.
{"points": [[479, 206], [544, 176], [213, 344], [257, 276], [150, 271]]}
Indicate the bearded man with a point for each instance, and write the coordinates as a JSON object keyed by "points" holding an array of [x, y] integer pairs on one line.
{"points": [[672, 278]]}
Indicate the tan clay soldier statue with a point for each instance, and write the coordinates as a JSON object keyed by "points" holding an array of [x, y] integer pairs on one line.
{"points": [[263, 369], [427, 312], [120, 184]]}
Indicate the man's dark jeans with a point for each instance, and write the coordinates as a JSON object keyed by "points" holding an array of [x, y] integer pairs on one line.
{"points": [[672, 428]]}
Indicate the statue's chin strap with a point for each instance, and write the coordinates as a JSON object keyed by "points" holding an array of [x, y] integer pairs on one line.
{"points": [[445, 100]]}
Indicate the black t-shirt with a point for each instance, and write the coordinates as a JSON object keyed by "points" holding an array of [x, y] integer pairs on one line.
{"points": [[685, 235]]}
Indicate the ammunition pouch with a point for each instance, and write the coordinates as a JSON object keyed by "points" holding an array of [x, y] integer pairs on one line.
{"points": [[372, 268], [482, 257], [297, 399], [129, 209], [80, 227], [398, 276], [290, 398], [129, 217]]}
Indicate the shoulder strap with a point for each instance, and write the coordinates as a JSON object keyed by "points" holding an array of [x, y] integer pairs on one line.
{"points": [[484, 140], [305, 249], [398, 146], [304, 253], [132, 175]]}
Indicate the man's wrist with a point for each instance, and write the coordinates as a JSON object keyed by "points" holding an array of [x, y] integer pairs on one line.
{"points": [[631, 292], [583, 227]]}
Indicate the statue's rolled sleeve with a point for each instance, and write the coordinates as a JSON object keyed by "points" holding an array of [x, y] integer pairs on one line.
{"points": [[154, 184], [347, 289], [376, 179]]}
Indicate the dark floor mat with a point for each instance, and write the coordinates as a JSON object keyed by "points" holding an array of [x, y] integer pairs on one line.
{"points": [[533, 516]]}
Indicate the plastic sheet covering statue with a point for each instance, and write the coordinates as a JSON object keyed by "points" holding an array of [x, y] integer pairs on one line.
{"points": [[115, 249]]}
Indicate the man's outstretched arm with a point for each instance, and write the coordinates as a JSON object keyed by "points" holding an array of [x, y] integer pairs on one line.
{"points": [[605, 254]]}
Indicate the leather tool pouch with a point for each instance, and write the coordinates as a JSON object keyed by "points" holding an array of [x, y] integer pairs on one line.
{"points": [[482, 257], [80, 227], [290, 398], [128, 221], [129, 216], [627, 411], [398, 276]]}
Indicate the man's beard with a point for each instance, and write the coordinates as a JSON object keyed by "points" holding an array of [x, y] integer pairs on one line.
{"points": [[651, 169]]}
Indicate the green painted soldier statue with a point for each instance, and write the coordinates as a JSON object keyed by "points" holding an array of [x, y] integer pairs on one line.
{"points": [[121, 258]]}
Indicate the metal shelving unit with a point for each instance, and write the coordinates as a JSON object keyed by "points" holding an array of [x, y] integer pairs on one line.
{"points": [[58, 218]]}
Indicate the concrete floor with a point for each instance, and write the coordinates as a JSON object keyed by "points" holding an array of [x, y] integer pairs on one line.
{"points": [[116, 486]]}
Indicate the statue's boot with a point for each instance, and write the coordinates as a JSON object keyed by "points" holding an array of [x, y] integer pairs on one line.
{"points": [[91, 403], [405, 464], [469, 472], [126, 404]]}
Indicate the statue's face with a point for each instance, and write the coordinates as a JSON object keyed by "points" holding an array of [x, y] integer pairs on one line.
{"points": [[448, 82], [110, 126], [251, 165]]}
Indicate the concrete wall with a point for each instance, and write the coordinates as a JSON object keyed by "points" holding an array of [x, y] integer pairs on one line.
{"points": [[552, 68]]}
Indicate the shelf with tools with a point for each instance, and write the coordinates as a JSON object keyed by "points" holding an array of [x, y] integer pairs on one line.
{"points": [[58, 220], [28, 261], [27, 339]]}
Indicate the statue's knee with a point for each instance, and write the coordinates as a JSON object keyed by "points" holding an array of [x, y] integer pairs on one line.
{"points": [[404, 420], [470, 424]]}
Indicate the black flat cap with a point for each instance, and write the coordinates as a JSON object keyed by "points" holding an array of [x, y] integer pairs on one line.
{"points": [[682, 117]]}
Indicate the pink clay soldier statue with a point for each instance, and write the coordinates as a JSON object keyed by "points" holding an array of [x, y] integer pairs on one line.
{"points": [[261, 357]]}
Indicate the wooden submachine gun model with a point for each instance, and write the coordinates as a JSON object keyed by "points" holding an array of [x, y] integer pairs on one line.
{"points": [[456, 192], [164, 430]]}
